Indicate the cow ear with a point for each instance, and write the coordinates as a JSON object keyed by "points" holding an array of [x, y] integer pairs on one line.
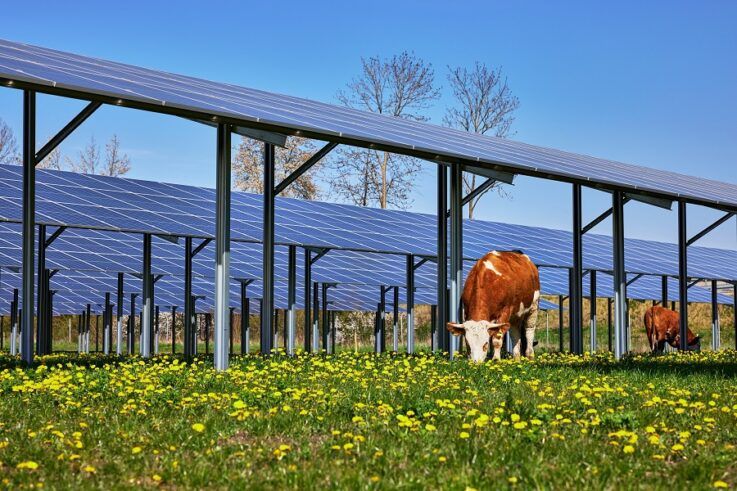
{"points": [[455, 329], [499, 330]]}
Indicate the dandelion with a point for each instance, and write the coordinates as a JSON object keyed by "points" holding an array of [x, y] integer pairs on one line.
{"points": [[464, 435], [198, 427], [720, 484], [136, 450], [89, 469], [513, 480], [628, 449], [29, 464]]}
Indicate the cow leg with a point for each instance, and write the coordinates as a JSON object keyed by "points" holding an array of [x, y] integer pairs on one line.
{"points": [[497, 342], [529, 326], [660, 346], [515, 332]]}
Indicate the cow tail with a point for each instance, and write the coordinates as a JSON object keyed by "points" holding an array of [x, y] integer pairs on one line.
{"points": [[650, 327]]}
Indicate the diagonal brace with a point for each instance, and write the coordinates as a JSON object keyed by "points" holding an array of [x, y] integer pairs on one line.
{"points": [[637, 277], [54, 236], [202, 245], [709, 228], [66, 131], [596, 221], [304, 167]]}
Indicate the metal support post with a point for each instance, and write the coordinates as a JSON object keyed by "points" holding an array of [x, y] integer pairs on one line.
{"points": [[395, 320], [107, 335], [14, 323], [576, 303], [715, 328], [292, 300], [157, 326], [173, 333], [433, 327], [308, 300], [119, 304], [620, 277], [87, 326], [132, 325], [592, 308], [146, 301], [441, 329], [560, 323], [245, 320], [315, 318], [410, 293], [683, 274], [41, 294], [456, 250], [28, 223], [325, 320], [267, 315], [664, 288], [222, 248]]}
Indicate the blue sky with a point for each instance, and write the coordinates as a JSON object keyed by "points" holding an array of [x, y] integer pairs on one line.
{"points": [[650, 83]]}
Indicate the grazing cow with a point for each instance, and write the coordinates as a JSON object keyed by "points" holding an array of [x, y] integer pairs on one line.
{"points": [[663, 325], [501, 294]]}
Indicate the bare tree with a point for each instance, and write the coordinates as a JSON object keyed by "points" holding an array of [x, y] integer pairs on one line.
{"points": [[51, 161], [116, 163], [403, 87], [249, 162], [484, 104], [89, 159], [8, 146]]}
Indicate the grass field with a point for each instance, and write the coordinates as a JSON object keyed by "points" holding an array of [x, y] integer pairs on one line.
{"points": [[366, 421]]}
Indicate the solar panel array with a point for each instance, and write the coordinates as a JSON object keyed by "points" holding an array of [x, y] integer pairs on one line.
{"points": [[53, 70], [190, 211], [359, 273]]}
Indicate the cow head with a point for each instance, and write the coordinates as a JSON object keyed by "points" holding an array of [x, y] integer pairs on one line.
{"points": [[694, 342], [478, 334]]}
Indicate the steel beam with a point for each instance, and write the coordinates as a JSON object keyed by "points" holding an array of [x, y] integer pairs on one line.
{"points": [[715, 327], [146, 300], [119, 317], [41, 296], [304, 167], [173, 330], [619, 277], [132, 324], [710, 228], [107, 337], [441, 329], [683, 274], [410, 293], [315, 318], [560, 323], [456, 250], [222, 248], [87, 326], [734, 313], [29, 218], [188, 304], [66, 131], [291, 300], [395, 320], [308, 300], [267, 314], [245, 319], [325, 320], [596, 221], [592, 311], [664, 291], [576, 303]]}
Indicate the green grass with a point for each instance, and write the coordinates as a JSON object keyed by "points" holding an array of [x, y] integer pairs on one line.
{"points": [[366, 421]]}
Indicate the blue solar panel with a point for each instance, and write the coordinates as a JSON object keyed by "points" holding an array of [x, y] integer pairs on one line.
{"points": [[166, 92]]}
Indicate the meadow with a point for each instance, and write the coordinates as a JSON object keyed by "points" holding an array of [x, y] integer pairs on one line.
{"points": [[362, 421]]}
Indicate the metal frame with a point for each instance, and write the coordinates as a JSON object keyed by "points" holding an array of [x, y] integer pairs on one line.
{"points": [[683, 275], [291, 315], [456, 251], [245, 317], [619, 276], [29, 217], [576, 302], [146, 300], [441, 330], [222, 248], [267, 313], [592, 311], [410, 294]]}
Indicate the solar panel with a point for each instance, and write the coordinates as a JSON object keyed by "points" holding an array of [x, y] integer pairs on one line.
{"points": [[56, 71]]}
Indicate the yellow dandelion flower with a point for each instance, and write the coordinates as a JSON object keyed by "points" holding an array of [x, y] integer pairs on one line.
{"points": [[720, 484], [198, 427], [628, 449], [464, 434], [136, 450], [29, 464]]}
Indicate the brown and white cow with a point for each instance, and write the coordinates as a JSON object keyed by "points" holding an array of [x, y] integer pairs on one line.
{"points": [[663, 325], [501, 294]]}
